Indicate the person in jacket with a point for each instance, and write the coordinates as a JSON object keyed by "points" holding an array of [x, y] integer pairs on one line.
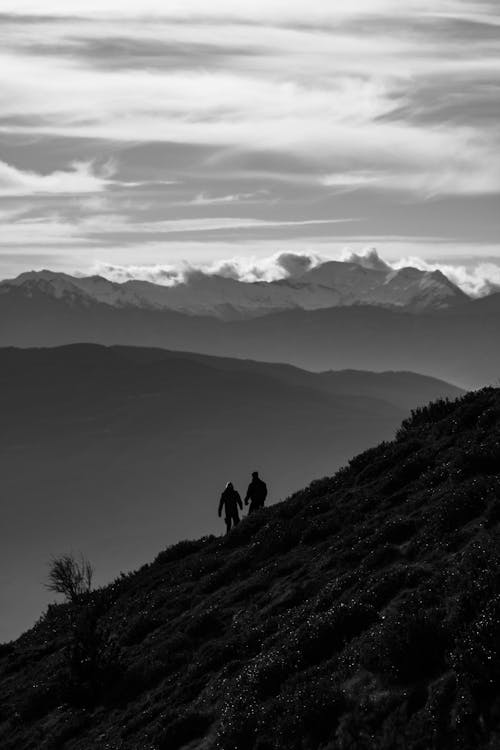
{"points": [[256, 493], [230, 501]]}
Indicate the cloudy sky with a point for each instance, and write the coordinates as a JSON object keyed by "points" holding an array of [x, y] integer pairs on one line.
{"points": [[151, 132]]}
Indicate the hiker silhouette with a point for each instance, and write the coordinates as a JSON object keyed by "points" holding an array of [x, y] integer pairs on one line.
{"points": [[230, 501], [256, 493]]}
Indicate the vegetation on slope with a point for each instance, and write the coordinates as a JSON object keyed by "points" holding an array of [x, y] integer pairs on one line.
{"points": [[363, 612]]}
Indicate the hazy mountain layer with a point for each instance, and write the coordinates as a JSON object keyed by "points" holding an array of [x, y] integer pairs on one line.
{"points": [[118, 451], [459, 345], [362, 613]]}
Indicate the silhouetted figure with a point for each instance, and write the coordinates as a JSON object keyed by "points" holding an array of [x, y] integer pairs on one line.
{"points": [[256, 493], [230, 500]]}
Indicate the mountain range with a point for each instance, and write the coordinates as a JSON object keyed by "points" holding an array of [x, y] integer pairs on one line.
{"points": [[363, 613], [331, 284], [118, 450]]}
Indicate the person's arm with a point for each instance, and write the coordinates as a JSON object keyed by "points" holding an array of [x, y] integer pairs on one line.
{"points": [[238, 500], [221, 505], [248, 493]]}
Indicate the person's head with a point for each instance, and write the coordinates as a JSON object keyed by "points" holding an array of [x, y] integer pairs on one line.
{"points": [[229, 486], [255, 474]]}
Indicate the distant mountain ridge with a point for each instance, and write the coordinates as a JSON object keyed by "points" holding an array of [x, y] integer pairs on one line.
{"points": [[459, 344], [330, 284]]}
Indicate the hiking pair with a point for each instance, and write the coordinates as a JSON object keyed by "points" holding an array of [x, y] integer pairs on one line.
{"points": [[230, 500]]}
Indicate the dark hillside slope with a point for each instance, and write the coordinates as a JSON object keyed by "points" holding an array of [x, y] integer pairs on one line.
{"points": [[363, 612]]}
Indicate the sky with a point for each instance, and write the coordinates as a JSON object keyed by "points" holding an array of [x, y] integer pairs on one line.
{"points": [[143, 134]]}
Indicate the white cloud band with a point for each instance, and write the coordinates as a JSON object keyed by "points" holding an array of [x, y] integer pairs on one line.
{"points": [[475, 281]]}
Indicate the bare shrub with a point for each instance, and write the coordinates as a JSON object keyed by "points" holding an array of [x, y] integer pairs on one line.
{"points": [[70, 576]]}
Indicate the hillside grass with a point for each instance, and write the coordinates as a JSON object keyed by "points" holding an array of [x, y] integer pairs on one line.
{"points": [[362, 612]]}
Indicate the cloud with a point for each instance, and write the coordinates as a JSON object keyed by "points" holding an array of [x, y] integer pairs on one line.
{"points": [[114, 224], [81, 177], [206, 200], [261, 11], [295, 264], [246, 269], [156, 274], [251, 121], [273, 268], [49, 231], [476, 281], [314, 81], [367, 258]]}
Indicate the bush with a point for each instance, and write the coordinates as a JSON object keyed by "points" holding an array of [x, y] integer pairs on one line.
{"points": [[70, 576], [459, 506], [384, 586], [246, 530], [410, 646], [204, 625], [481, 459], [300, 714], [94, 668], [183, 549], [308, 714], [395, 531], [433, 412], [140, 627], [403, 474], [320, 529], [40, 699], [326, 634], [492, 514], [6, 649], [475, 659], [184, 729]]}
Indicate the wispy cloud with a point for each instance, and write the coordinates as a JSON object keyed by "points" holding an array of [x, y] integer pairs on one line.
{"points": [[265, 116], [113, 224], [208, 200], [80, 177], [330, 93], [259, 10]]}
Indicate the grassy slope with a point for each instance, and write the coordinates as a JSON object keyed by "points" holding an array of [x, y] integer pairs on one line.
{"points": [[363, 612]]}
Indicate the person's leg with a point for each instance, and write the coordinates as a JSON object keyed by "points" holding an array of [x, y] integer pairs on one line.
{"points": [[228, 524]]}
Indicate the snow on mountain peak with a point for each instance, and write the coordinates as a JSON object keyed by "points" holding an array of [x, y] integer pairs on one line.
{"points": [[359, 280]]}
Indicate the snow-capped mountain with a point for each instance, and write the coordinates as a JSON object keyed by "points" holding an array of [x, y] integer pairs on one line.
{"points": [[331, 284], [385, 287]]}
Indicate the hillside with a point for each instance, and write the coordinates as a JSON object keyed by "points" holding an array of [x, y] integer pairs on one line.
{"points": [[363, 612], [119, 451], [459, 345]]}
